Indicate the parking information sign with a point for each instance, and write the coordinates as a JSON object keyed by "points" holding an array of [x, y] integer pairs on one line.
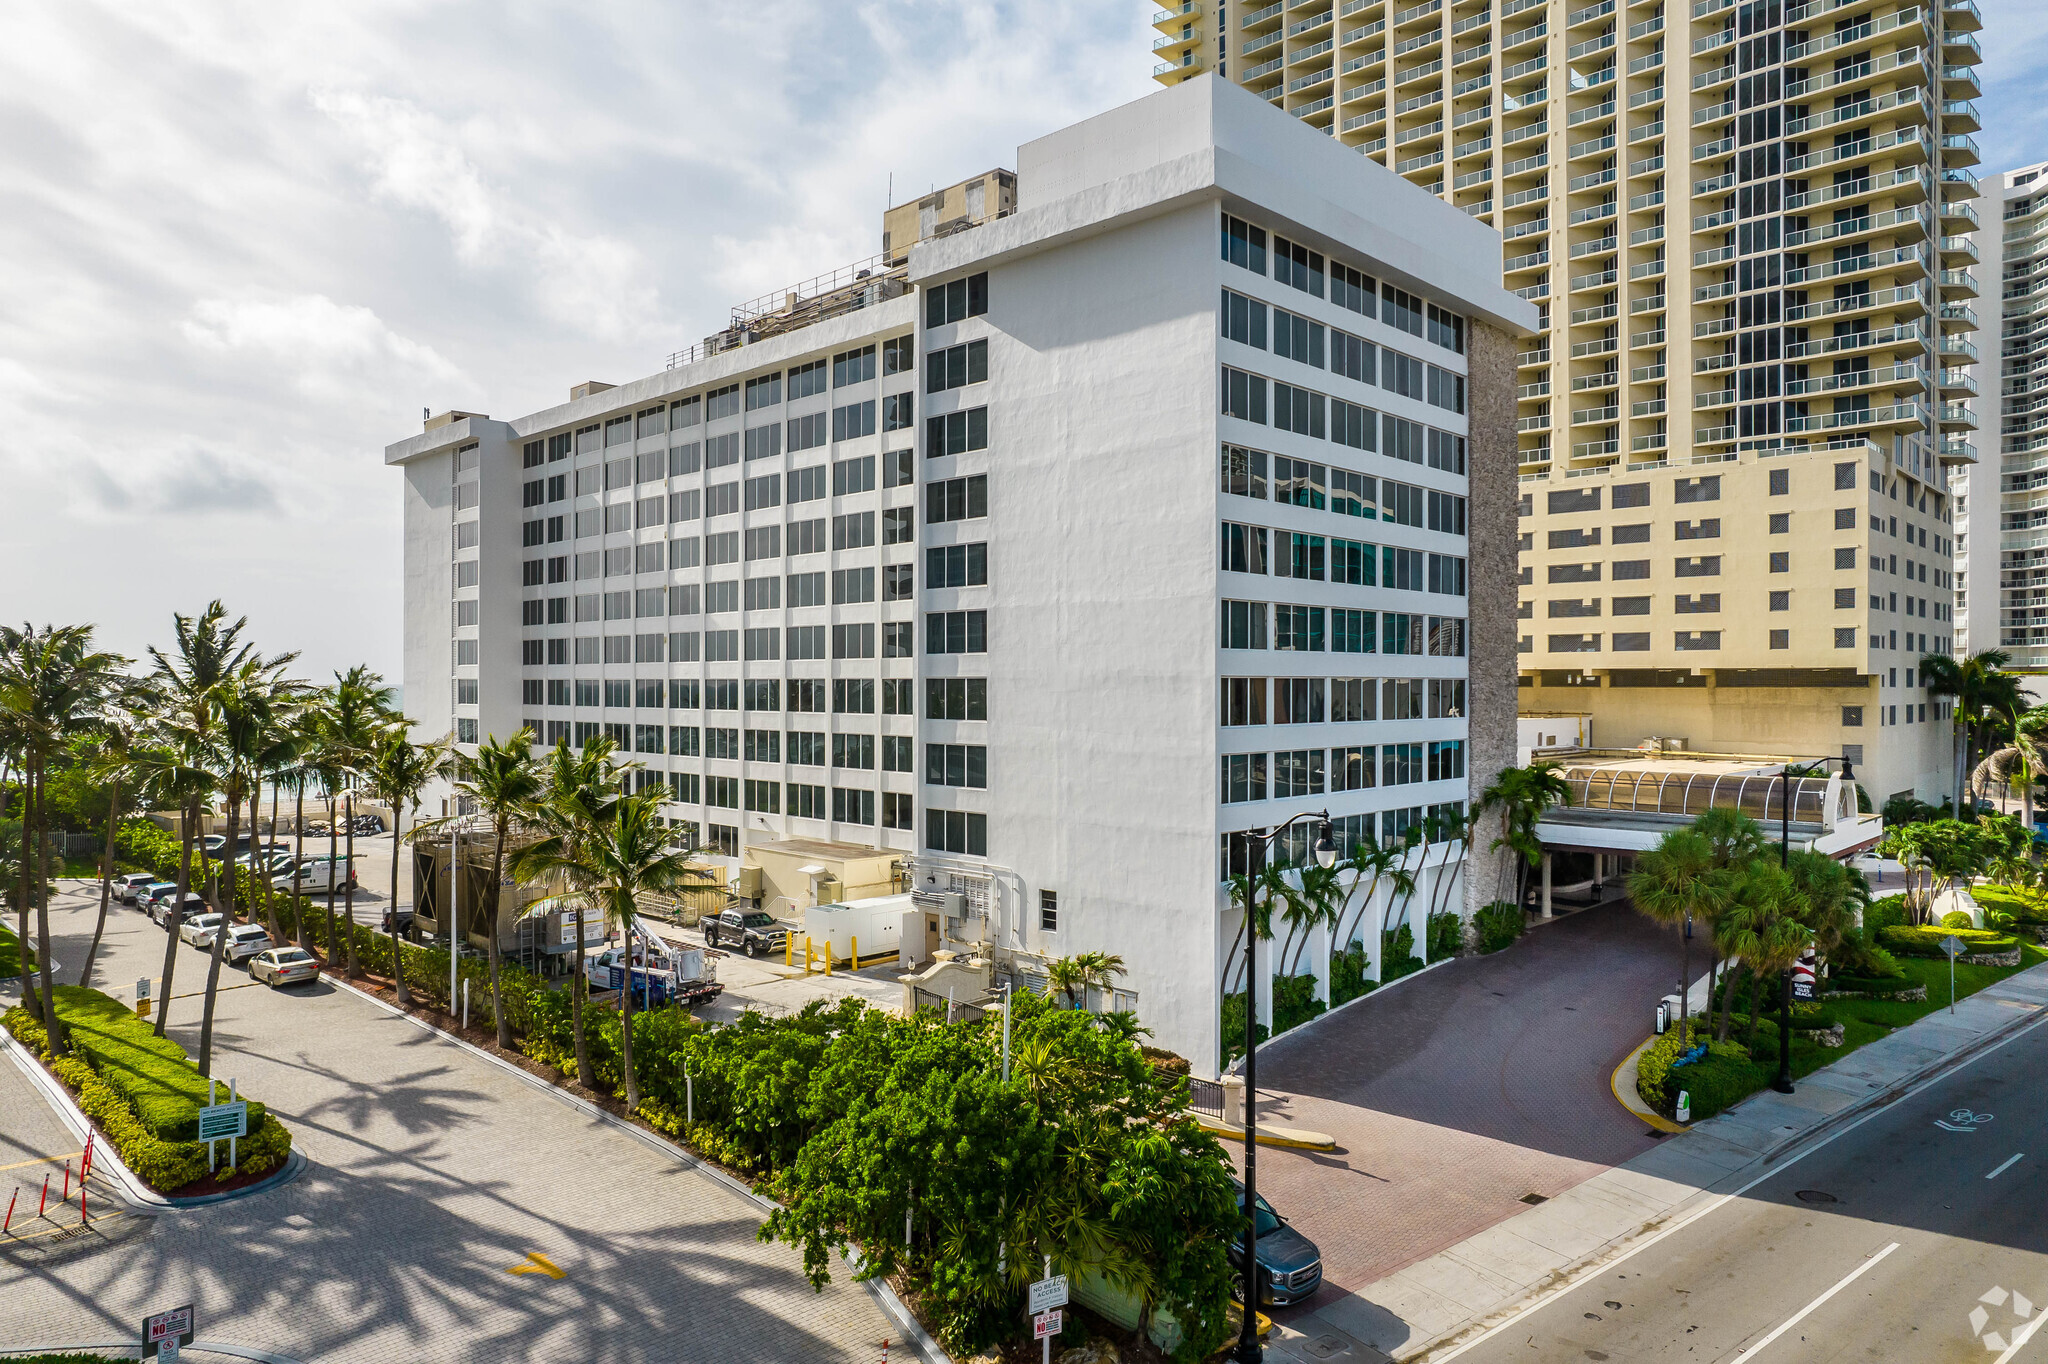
{"points": [[1049, 1293], [220, 1121], [163, 1333]]}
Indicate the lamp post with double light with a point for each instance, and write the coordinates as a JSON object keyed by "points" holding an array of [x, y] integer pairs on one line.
{"points": [[1248, 1349]]}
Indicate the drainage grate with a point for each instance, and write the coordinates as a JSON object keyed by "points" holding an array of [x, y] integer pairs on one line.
{"points": [[1532, 1199], [1815, 1196]]}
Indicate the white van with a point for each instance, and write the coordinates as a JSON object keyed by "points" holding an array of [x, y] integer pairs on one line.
{"points": [[316, 874]]}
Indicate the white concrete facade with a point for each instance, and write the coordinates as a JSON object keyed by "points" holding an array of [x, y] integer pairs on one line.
{"points": [[2003, 546], [1084, 588]]}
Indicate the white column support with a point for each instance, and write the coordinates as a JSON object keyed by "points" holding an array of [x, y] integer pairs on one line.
{"points": [[1319, 960], [1546, 886]]}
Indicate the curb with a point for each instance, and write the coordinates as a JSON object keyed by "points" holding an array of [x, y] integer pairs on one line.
{"points": [[1299, 1140], [885, 1297], [211, 1347], [1624, 1088], [132, 1187]]}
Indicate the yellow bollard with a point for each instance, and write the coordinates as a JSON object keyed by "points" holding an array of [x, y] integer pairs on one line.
{"points": [[788, 949], [856, 952], [828, 956]]}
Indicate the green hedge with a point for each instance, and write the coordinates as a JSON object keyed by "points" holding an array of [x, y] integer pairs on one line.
{"points": [[1347, 975], [1446, 935], [165, 1166], [1498, 925], [1926, 941], [1890, 912], [1725, 1076], [150, 1072]]}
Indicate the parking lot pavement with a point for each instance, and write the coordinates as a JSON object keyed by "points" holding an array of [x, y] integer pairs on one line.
{"points": [[767, 985], [1461, 1091], [436, 1179]]}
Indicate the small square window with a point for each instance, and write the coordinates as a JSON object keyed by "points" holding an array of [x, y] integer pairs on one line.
{"points": [[1852, 717], [1845, 475], [1845, 558], [1781, 522], [1781, 601], [1781, 639], [1845, 518], [1781, 482], [1049, 911], [1781, 561], [1845, 599], [1845, 638]]}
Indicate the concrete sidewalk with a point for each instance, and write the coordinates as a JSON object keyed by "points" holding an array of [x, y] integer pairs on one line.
{"points": [[1452, 1295]]}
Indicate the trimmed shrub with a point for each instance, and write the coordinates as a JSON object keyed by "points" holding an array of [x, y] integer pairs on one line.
{"points": [[1347, 975], [165, 1166], [151, 1073], [1724, 1076], [1498, 925], [1957, 918], [1295, 1002], [1925, 941], [1397, 954], [1890, 912], [1446, 935]]}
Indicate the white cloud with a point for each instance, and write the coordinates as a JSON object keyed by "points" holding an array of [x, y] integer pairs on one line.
{"points": [[328, 352], [247, 243]]}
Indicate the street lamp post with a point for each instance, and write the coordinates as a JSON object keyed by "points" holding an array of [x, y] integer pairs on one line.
{"points": [[1249, 1351], [1783, 1083]]}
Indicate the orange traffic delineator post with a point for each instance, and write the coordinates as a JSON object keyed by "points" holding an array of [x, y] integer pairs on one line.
{"points": [[9, 1223], [46, 1195]]}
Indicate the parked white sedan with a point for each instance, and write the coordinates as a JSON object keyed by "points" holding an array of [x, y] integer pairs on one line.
{"points": [[284, 966], [200, 929]]}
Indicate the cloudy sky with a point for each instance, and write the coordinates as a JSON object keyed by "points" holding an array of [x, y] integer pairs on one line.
{"points": [[246, 243]]}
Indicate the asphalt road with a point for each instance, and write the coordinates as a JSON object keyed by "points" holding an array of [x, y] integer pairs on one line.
{"points": [[441, 1199], [1462, 1090], [1921, 1234]]}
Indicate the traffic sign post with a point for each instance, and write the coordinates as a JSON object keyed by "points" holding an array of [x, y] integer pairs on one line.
{"points": [[142, 997], [1954, 947], [1048, 1295], [164, 1332]]}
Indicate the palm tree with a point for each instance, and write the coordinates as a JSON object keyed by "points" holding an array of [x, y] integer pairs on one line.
{"points": [[53, 684], [1980, 687], [1674, 883], [582, 787], [358, 713], [1455, 826], [121, 731], [610, 866], [398, 773], [1067, 975], [1316, 902], [503, 783], [1521, 796], [1415, 836], [2023, 753], [1759, 922], [1101, 969], [243, 746]]}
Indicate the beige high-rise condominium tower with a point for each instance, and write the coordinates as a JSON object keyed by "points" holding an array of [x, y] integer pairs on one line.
{"points": [[1747, 227]]}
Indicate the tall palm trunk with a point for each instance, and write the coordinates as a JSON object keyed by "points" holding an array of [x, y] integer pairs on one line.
{"points": [[1735, 974], [171, 920], [491, 936], [579, 985], [106, 886], [348, 889], [51, 1024], [397, 958], [626, 1028], [30, 997], [298, 860], [223, 905], [333, 849]]}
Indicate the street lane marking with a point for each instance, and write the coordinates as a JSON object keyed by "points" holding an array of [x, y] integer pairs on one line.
{"points": [[537, 1263], [1970, 1121], [1851, 1277], [52, 1160], [2007, 1166]]}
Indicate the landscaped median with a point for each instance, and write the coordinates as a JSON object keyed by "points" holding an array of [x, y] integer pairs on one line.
{"points": [[1851, 1012], [143, 1095]]}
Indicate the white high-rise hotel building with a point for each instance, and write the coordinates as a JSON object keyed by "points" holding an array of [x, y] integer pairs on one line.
{"points": [[1057, 556]]}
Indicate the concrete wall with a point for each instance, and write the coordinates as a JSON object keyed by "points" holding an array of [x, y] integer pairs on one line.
{"points": [[1491, 692]]}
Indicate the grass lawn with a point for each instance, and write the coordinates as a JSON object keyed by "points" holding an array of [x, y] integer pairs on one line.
{"points": [[1730, 1080], [150, 1072], [10, 954]]}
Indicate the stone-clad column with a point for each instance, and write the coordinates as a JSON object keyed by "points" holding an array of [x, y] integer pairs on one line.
{"points": [[1490, 637]]}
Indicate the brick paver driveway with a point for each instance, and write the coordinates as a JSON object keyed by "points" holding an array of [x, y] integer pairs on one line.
{"points": [[1461, 1091], [433, 1172]]}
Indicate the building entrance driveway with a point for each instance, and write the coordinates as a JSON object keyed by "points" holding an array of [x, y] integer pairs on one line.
{"points": [[1462, 1093]]}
